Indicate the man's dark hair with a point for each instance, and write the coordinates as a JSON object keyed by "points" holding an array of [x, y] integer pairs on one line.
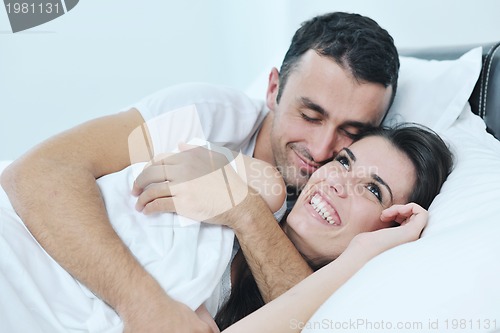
{"points": [[355, 42]]}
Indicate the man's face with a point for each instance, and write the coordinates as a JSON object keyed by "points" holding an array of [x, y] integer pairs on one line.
{"points": [[321, 107]]}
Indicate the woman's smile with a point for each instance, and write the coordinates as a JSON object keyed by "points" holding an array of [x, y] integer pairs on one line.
{"points": [[325, 210]]}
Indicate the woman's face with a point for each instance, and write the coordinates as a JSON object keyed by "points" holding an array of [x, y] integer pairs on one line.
{"points": [[346, 197]]}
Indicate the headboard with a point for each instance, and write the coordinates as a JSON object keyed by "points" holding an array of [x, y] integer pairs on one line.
{"points": [[485, 99]]}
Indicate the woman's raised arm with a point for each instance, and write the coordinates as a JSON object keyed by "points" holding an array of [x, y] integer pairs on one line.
{"points": [[299, 303]]}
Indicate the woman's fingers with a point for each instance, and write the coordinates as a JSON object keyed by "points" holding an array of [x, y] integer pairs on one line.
{"points": [[412, 218], [402, 213]]}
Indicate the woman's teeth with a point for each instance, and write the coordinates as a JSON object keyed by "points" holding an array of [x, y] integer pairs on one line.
{"points": [[320, 206]]}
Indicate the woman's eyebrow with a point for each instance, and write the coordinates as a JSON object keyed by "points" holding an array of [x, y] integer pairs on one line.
{"points": [[350, 153], [383, 183]]}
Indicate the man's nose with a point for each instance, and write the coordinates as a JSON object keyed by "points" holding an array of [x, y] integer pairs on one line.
{"points": [[326, 145]]}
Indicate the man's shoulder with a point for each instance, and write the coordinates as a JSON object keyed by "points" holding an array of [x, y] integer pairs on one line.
{"points": [[199, 92], [207, 98], [219, 114]]}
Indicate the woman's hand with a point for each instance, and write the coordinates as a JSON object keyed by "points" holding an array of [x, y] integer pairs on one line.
{"points": [[411, 218]]}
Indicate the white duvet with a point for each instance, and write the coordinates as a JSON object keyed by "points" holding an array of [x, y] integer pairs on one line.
{"points": [[37, 295]]}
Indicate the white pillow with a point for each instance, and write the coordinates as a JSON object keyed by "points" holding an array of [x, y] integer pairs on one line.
{"points": [[432, 92], [472, 191], [448, 281]]}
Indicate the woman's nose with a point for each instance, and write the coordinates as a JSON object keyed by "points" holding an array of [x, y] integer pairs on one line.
{"points": [[341, 188]]}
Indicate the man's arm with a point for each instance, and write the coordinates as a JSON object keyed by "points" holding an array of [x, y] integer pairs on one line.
{"points": [[53, 189], [274, 261]]}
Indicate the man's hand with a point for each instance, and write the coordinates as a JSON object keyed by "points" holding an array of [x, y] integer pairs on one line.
{"points": [[170, 316], [204, 315], [190, 163], [197, 183]]}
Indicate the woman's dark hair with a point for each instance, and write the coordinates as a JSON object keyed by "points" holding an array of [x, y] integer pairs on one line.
{"points": [[433, 162], [429, 154], [245, 297], [355, 42]]}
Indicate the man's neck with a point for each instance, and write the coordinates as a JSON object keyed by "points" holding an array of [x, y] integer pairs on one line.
{"points": [[263, 150]]}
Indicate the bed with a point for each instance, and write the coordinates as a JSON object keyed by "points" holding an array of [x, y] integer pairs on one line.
{"points": [[447, 281]]}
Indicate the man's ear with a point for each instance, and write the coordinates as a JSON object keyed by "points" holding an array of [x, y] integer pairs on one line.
{"points": [[272, 88]]}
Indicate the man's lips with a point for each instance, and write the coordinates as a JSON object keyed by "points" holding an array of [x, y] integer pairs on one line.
{"points": [[305, 164]]}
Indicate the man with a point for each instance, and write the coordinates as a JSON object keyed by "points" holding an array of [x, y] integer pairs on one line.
{"points": [[338, 77]]}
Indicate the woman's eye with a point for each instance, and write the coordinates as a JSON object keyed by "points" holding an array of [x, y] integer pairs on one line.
{"points": [[344, 161], [375, 190]]}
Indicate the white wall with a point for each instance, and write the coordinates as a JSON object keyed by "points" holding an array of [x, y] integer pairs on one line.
{"points": [[418, 23], [103, 55]]}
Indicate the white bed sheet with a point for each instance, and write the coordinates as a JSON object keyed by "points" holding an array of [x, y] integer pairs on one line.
{"points": [[40, 296]]}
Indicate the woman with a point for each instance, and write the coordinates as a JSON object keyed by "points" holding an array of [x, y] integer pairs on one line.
{"points": [[368, 186], [345, 197]]}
